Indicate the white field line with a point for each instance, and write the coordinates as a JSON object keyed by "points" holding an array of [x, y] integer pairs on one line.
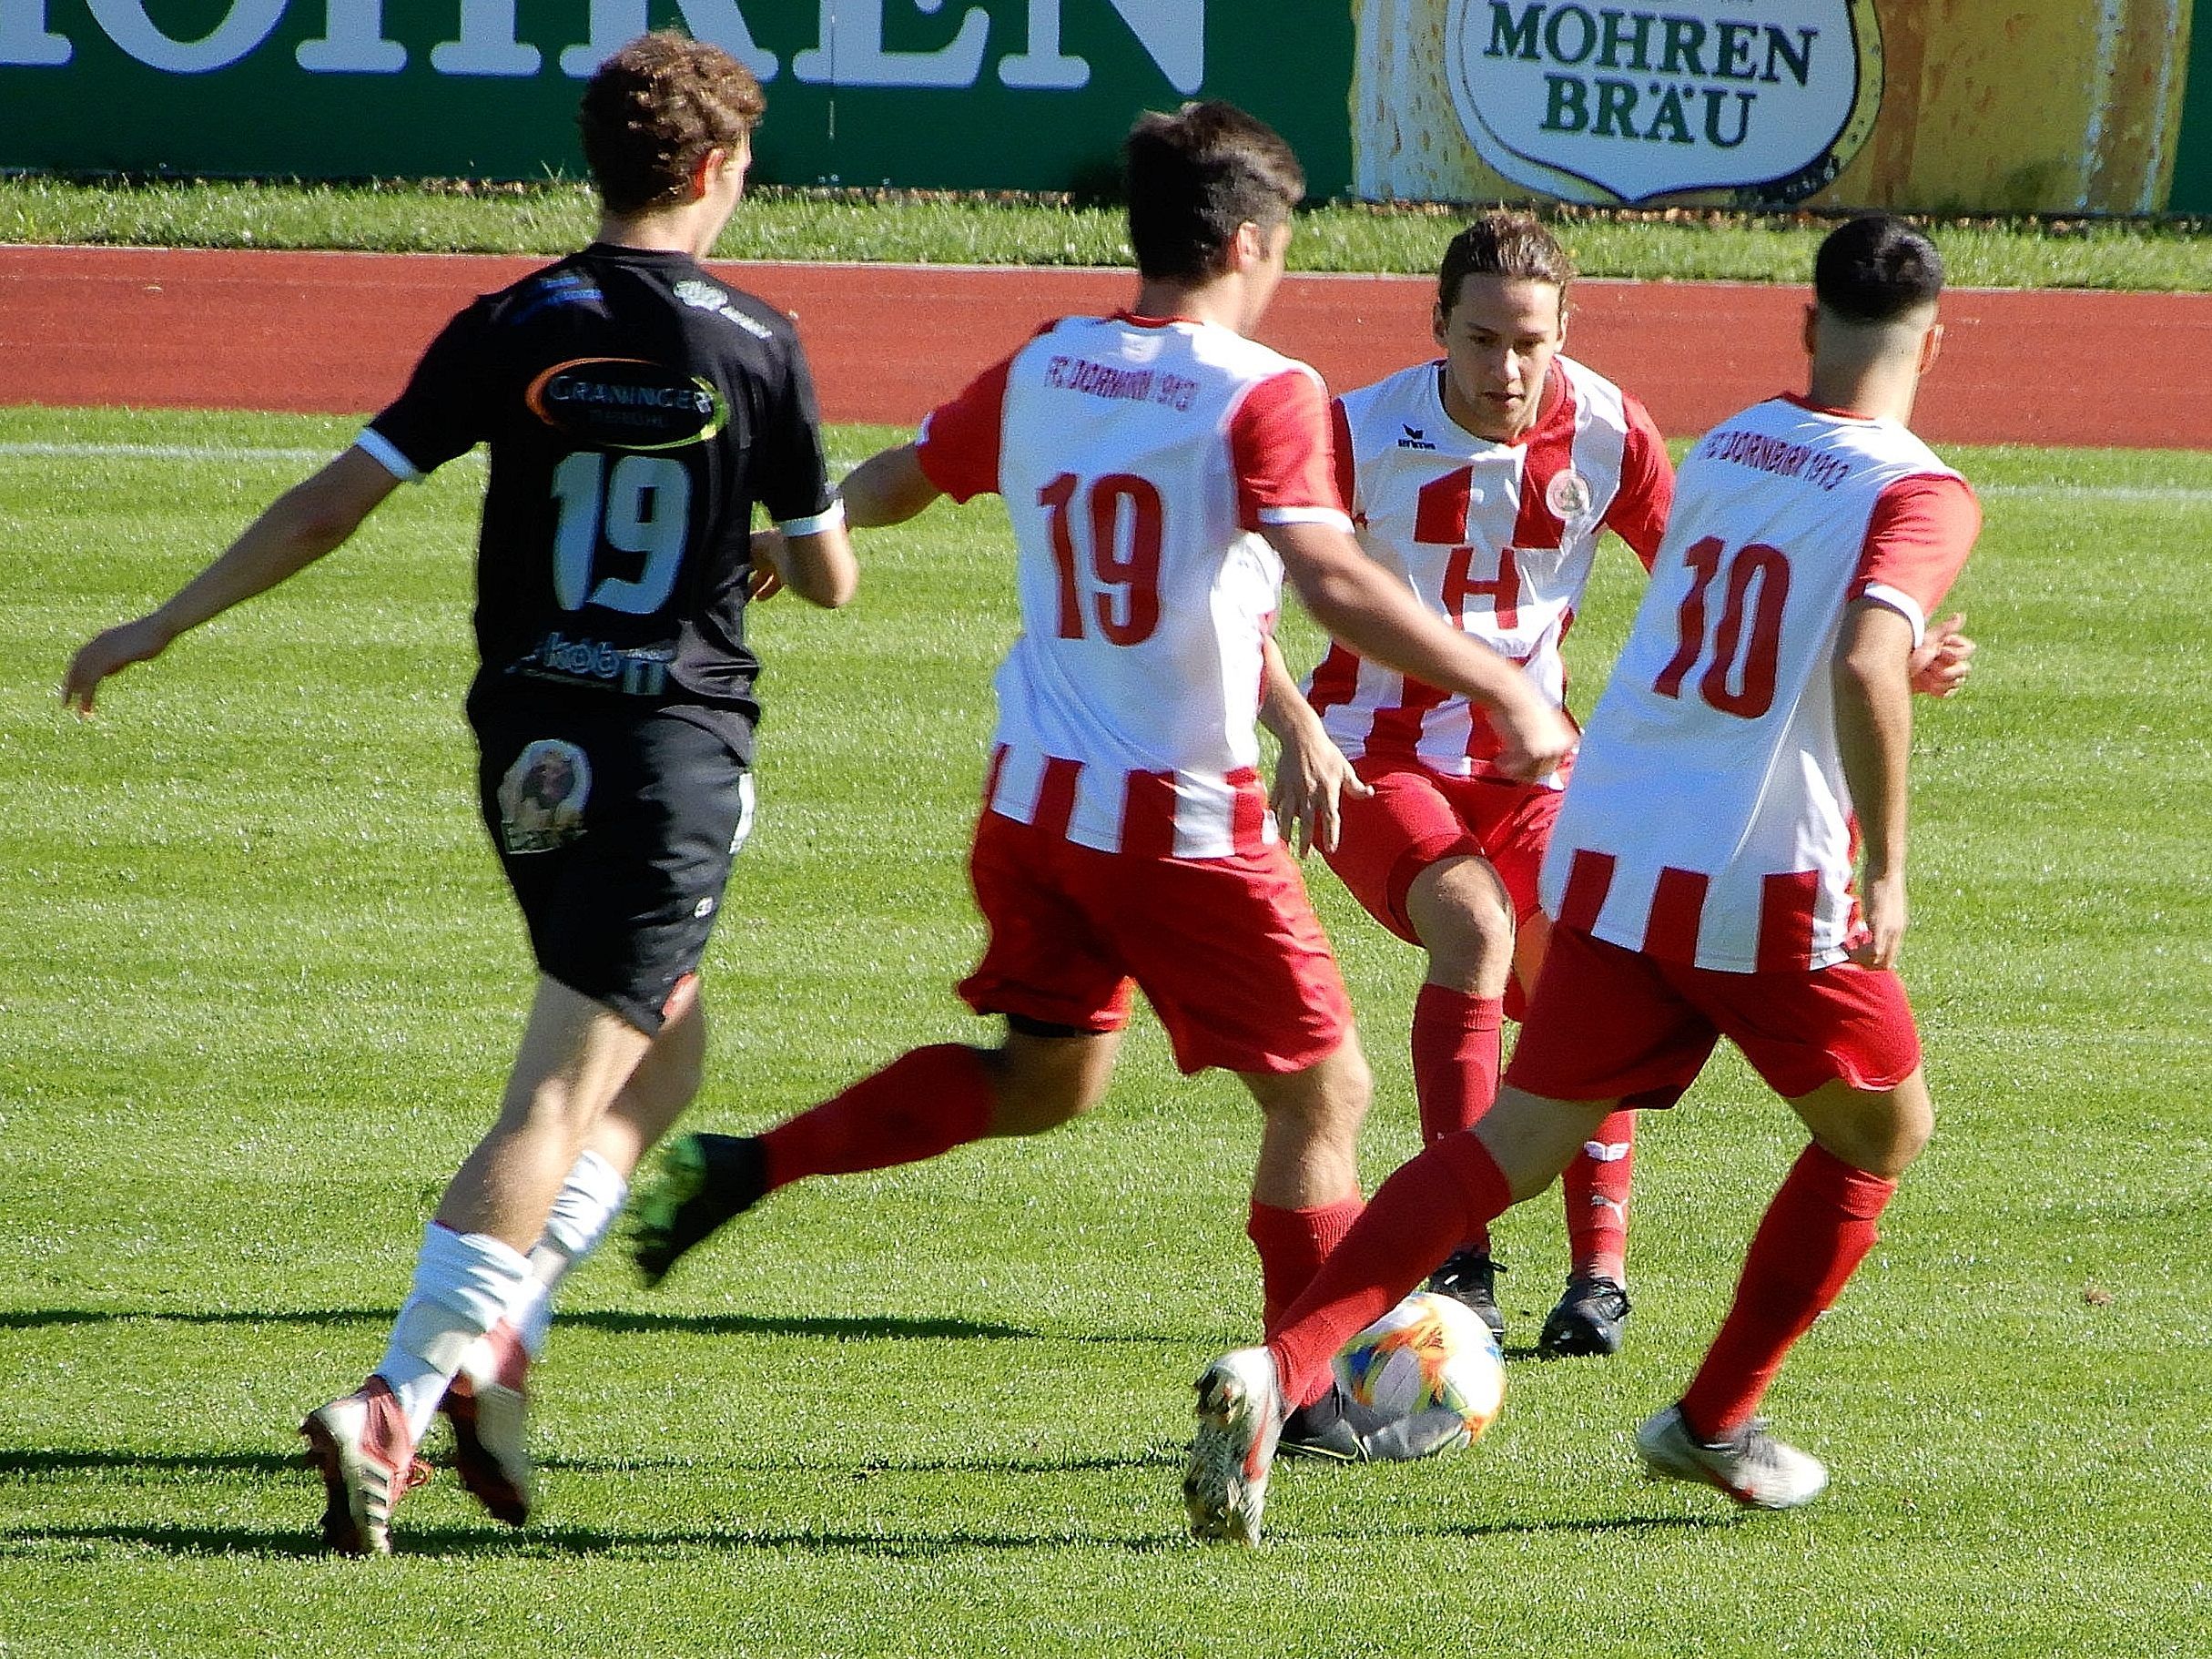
{"points": [[225, 452], [2177, 494]]}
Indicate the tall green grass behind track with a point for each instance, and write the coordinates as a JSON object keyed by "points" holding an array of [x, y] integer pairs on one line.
{"points": [[784, 224]]}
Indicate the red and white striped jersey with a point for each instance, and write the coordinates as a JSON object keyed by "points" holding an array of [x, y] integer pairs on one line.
{"points": [[1496, 538], [1709, 821], [1139, 459]]}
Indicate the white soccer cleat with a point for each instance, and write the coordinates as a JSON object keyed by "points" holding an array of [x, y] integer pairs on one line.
{"points": [[488, 1403], [1751, 1466], [359, 1444], [1240, 1419]]}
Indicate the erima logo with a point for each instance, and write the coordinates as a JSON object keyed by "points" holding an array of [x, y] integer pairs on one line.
{"points": [[704, 297], [1415, 438]]}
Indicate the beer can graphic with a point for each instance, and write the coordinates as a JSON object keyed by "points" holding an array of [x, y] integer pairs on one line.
{"points": [[1933, 105]]}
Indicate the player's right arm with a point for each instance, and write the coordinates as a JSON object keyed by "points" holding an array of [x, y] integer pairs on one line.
{"points": [[1374, 613], [888, 488], [298, 527], [1312, 774]]}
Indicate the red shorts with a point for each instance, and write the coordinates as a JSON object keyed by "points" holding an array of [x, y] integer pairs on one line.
{"points": [[1417, 817], [1227, 951], [1609, 1023]]}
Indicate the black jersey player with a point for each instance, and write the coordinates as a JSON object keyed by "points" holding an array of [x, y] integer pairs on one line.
{"points": [[637, 410]]}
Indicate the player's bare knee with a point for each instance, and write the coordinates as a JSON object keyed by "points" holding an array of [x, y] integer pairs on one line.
{"points": [[1880, 1131], [1463, 918], [1327, 1101]]}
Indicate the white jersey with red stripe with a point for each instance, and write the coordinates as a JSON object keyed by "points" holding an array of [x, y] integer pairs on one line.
{"points": [[1709, 821], [1498, 538], [1139, 459]]}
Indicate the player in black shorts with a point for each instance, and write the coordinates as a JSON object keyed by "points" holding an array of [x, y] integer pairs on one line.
{"points": [[637, 410]]}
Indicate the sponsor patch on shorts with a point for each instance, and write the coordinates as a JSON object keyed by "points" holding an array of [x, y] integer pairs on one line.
{"points": [[543, 796]]}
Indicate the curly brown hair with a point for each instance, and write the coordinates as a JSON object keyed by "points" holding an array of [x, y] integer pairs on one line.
{"points": [[652, 110]]}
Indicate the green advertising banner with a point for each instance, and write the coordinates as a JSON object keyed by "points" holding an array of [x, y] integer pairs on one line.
{"points": [[1018, 95], [2041, 106]]}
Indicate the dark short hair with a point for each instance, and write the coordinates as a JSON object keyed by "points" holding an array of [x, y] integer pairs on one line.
{"points": [[1503, 242], [1195, 175], [1875, 268], [652, 110]]}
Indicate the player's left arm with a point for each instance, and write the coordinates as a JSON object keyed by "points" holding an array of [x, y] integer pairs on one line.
{"points": [[1871, 670], [1638, 511], [1312, 774], [813, 558], [309, 520], [1917, 541], [807, 550]]}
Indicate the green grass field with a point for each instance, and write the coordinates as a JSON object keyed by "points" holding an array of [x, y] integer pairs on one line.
{"points": [[261, 982]]}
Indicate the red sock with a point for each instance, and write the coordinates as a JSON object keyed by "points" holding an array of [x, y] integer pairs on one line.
{"points": [[926, 1101], [1597, 1194], [1817, 1230], [1291, 1244], [1456, 1058], [1409, 1225]]}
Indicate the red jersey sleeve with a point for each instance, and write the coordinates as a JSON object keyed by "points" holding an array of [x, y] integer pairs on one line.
{"points": [[1279, 441], [1347, 468], [1916, 543], [958, 445], [1640, 509]]}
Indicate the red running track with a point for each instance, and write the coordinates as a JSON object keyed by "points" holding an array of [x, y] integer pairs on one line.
{"points": [[337, 332]]}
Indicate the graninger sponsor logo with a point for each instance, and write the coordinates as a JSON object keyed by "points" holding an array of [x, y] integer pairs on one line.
{"points": [[1621, 103]]}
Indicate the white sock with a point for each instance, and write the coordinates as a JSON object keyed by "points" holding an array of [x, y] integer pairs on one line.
{"points": [[463, 1283], [582, 1213]]}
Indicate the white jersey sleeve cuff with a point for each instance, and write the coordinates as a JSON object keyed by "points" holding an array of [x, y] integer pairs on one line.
{"points": [[830, 518], [1904, 604], [380, 448], [1306, 515]]}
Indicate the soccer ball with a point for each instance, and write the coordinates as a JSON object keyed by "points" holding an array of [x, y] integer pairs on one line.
{"points": [[1430, 1373]]}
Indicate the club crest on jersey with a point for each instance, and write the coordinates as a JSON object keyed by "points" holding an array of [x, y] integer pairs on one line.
{"points": [[626, 403], [1567, 495], [542, 797]]}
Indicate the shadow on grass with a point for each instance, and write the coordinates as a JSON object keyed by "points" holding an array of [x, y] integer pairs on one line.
{"points": [[36, 1463], [434, 1543], [446, 1542], [860, 1328]]}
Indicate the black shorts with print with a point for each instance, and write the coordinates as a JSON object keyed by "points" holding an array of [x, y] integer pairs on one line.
{"points": [[616, 831]]}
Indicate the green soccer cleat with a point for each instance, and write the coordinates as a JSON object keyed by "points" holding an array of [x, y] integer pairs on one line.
{"points": [[704, 1180]]}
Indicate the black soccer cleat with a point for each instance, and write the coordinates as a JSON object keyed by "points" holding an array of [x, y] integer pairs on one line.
{"points": [[1586, 1322], [1338, 1428], [1470, 1277], [704, 1181], [1327, 1429]]}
